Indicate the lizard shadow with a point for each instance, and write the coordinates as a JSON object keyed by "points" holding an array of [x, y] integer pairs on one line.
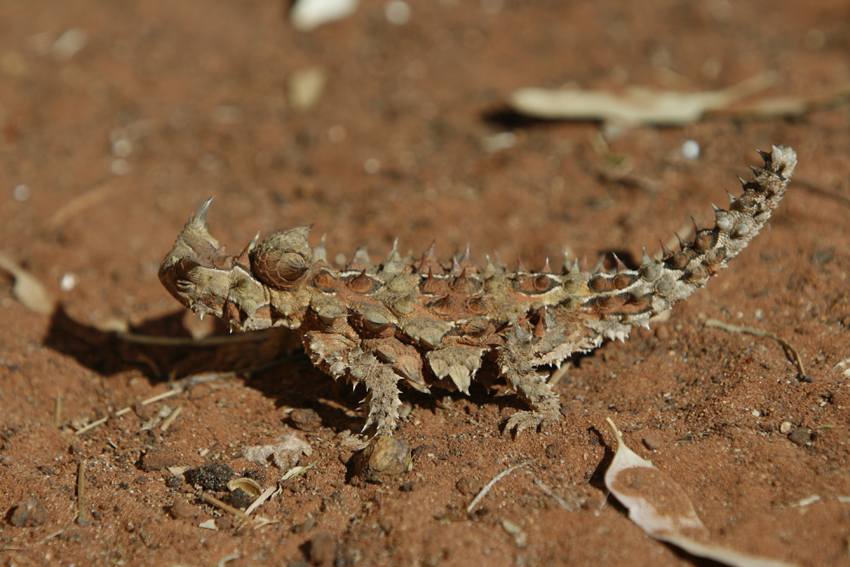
{"points": [[271, 362], [163, 351]]}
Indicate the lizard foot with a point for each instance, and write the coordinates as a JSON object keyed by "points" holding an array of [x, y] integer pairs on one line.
{"points": [[523, 420]]}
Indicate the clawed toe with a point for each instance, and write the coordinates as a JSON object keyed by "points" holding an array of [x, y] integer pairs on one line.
{"points": [[523, 420]]}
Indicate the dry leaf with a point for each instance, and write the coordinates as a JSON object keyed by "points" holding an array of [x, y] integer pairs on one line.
{"points": [[27, 288], [635, 106], [661, 508]]}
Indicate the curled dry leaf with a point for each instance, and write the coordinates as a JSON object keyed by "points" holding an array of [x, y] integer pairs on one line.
{"points": [[250, 486], [285, 453], [661, 508], [27, 288]]}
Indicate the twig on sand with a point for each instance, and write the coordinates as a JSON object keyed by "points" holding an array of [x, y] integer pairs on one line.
{"points": [[82, 516], [496, 479], [790, 351], [209, 499]]}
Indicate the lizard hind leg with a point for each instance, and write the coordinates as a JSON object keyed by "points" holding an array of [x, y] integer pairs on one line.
{"points": [[516, 365]]}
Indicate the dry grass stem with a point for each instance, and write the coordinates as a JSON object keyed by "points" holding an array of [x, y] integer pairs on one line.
{"points": [[496, 479], [554, 496], [57, 413], [82, 516], [790, 351], [170, 419], [212, 500], [261, 499]]}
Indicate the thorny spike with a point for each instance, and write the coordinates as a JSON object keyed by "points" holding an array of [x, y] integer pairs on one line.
{"points": [[429, 258], [600, 265], [621, 267], [742, 180], [465, 261], [244, 257], [768, 158], [393, 256], [362, 256], [697, 227], [731, 198], [319, 253], [666, 251], [574, 269], [199, 219], [520, 266], [547, 269], [757, 170], [682, 245], [354, 266], [456, 267], [645, 259], [584, 266]]}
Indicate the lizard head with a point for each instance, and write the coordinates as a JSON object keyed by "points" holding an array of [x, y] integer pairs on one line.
{"points": [[197, 271], [203, 277]]}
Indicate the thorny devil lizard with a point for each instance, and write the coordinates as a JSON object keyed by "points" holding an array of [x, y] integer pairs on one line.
{"points": [[431, 323]]}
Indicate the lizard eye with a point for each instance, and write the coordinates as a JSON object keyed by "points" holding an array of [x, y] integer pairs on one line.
{"points": [[184, 285]]}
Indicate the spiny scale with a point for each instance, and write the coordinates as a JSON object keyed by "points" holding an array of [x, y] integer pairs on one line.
{"points": [[427, 323]]}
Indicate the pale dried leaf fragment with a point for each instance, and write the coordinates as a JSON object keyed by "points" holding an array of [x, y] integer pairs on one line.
{"points": [[661, 508], [27, 288], [634, 106], [285, 453]]}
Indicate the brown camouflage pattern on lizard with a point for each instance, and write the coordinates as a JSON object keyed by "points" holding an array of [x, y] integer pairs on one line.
{"points": [[430, 323]]}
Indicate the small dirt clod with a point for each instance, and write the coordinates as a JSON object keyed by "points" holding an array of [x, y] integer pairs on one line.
{"points": [[29, 514], [210, 477]]}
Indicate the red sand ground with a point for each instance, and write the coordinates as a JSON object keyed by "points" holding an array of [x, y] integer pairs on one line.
{"points": [[200, 90]]}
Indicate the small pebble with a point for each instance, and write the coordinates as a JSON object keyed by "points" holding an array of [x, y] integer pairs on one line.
{"points": [[555, 450], [652, 442], [69, 282], [305, 526], [372, 166], [397, 12], [224, 522], [69, 43], [29, 514], [468, 486], [785, 427], [305, 419], [383, 459], [690, 149], [22, 193], [323, 550], [183, 511], [800, 436]]}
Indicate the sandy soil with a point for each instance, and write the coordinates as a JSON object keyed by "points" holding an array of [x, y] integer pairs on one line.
{"points": [[104, 154]]}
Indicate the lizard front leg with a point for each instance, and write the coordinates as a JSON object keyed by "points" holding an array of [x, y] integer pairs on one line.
{"points": [[515, 364], [382, 383], [340, 356]]}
